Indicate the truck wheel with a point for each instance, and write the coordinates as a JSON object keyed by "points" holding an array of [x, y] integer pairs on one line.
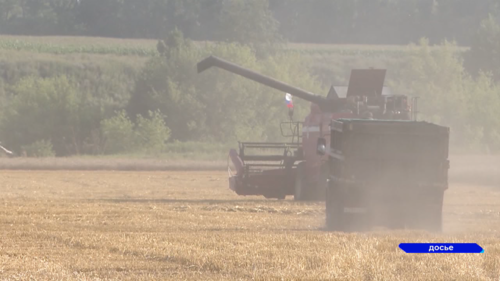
{"points": [[396, 220], [300, 189], [320, 190], [433, 221], [394, 212], [338, 218], [329, 213], [428, 215], [334, 209]]}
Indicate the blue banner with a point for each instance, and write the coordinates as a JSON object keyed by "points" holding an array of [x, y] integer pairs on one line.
{"points": [[417, 248]]}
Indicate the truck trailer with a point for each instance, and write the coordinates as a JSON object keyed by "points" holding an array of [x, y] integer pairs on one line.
{"points": [[388, 173]]}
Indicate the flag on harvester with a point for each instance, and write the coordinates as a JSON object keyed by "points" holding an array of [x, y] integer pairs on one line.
{"points": [[289, 101]]}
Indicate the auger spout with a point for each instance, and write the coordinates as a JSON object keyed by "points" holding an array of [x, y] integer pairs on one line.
{"points": [[324, 103]]}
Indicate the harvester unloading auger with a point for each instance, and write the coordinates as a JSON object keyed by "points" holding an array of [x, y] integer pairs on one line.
{"points": [[298, 169]]}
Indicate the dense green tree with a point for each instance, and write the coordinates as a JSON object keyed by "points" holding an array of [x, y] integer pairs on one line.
{"points": [[314, 21], [247, 22], [38, 17], [450, 97], [215, 106], [49, 110], [151, 133], [121, 135], [484, 53], [9, 9], [117, 133], [169, 100]]}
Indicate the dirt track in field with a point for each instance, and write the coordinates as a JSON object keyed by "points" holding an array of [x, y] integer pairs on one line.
{"points": [[104, 225]]}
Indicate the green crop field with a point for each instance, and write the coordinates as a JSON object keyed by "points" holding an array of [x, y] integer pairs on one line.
{"points": [[79, 45], [329, 63], [144, 47]]}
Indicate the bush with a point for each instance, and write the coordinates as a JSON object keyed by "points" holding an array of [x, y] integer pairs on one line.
{"points": [[483, 54], [41, 148], [215, 105], [148, 135], [450, 97], [43, 109], [66, 108], [118, 133], [151, 133]]}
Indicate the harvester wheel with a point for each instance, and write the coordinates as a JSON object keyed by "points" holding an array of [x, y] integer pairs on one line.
{"points": [[300, 189]]}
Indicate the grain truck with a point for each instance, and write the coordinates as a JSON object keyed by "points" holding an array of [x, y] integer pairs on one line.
{"points": [[388, 173]]}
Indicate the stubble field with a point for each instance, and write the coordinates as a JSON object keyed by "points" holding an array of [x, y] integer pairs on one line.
{"points": [[177, 225]]}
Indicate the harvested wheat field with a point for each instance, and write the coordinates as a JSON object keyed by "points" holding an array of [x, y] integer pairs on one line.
{"points": [[112, 225]]}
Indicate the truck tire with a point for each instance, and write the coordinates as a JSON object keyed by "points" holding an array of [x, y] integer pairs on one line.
{"points": [[428, 215], [396, 220], [393, 211], [300, 188], [433, 219], [303, 191], [337, 218], [329, 213], [320, 190], [334, 209]]}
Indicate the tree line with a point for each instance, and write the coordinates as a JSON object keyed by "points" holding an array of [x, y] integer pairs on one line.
{"points": [[54, 108], [312, 21], [51, 107], [62, 108]]}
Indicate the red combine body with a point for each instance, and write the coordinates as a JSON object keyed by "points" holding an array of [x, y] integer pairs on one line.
{"points": [[295, 168]]}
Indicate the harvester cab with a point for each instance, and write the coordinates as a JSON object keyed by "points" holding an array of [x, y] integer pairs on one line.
{"points": [[297, 168]]}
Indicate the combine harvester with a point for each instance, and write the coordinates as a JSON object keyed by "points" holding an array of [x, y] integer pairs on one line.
{"points": [[295, 168], [364, 154]]}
